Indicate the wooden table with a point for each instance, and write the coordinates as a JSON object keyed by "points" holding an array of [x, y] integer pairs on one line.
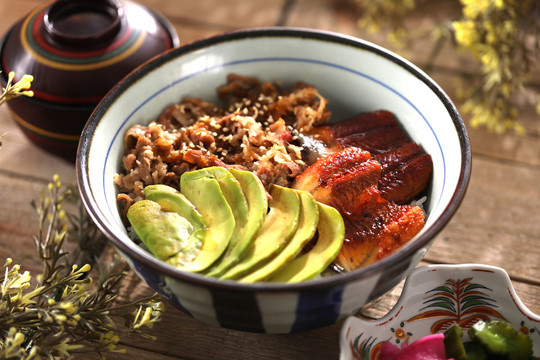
{"points": [[497, 224]]}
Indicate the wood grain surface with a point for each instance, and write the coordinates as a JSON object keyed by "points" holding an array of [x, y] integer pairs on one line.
{"points": [[498, 222]]}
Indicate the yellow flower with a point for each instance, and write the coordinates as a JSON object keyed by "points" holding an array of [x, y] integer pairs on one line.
{"points": [[110, 339], [466, 34], [15, 281], [84, 269], [12, 344], [490, 60], [64, 347], [20, 88], [473, 8], [68, 307], [60, 318], [146, 318]]}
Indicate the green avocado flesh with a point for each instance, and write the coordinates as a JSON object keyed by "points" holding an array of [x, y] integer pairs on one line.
{"points": [[246, 228], [165, 234], [279, 226], [172, 200], [221, 224], [307, 225], [331, 231], [204, 191]]}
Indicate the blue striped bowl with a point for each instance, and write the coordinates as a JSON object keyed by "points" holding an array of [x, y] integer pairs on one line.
{"points": [[356, 76]]}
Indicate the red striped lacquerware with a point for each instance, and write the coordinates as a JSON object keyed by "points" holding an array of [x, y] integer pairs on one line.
{"points": [[76, 51]]}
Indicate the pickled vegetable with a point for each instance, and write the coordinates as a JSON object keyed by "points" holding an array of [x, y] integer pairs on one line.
{"points": [[489, 340], [500, 339], [453, 343]]}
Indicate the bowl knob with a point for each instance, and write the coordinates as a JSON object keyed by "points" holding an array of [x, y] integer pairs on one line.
{"points": [[82, 23]]}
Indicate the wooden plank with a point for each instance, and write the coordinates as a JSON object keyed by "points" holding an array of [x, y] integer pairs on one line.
{"points": [[19, 156], [180, 334], [232, 14], [13, 11], [131, 353], [18, 221], [333, 16], [496, 224]]}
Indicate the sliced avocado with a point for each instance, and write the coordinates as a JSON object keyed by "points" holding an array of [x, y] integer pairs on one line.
{"points": [[248, 227], [232, 190], [307, 226], [172, 200], [331, 233], [165, 234], [204, 192], [279, 226]]}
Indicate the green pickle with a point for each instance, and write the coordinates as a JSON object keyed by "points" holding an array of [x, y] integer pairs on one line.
{"points": [[453, 343], [475, 351], [501, 339], [491, 340]]}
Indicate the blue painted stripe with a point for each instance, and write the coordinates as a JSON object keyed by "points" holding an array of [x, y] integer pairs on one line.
{"points": [[237, 310], [318, 308], [157, 282]]}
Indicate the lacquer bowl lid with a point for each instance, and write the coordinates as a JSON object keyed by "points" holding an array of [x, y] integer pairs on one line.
{"points": [[77, 50]]}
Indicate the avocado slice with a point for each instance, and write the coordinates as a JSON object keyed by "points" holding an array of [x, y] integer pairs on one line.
{"points": [[202, 189], [248, 227], [307, 226], [232, 190], [172, 200], [165, 234], [331, 233], [279, 226]]}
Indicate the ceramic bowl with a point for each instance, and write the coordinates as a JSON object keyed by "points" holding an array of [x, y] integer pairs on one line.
{"points": [[76, 51], [433, 298], [356, 76]]}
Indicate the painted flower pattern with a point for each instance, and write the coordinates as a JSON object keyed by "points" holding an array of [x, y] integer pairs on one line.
{"points": [[400, 334], [365, 349], [459, 302]]}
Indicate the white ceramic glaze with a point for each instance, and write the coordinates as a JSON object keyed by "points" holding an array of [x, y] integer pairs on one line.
{"points": [[356, 76], [434, 298]]}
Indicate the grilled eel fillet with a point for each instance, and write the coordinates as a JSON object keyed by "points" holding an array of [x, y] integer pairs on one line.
{"points": [[371, 174]]}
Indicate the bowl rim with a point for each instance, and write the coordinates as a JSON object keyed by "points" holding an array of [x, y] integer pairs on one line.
{"points": [[407, 250]]}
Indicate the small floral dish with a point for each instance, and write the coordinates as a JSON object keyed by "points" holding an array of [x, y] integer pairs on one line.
{"points": [[434, 298]]}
